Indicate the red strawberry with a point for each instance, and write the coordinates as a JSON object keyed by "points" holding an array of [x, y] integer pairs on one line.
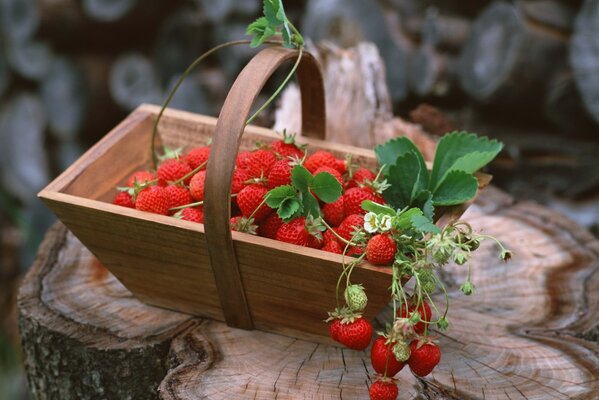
{"points": [[423, 359], [260, 162], [238, 182], [319, 159], [331, 171], [341, 166], [249, 198], [153, 199], [194, 214], [353, 198], [382, 358], [356, 335], [294, 232], [333, 213], [349, 225], [425, 314], [360, 176], [141, 177], [315, 242], [287, 147], [173, 169], [355, 251], [334, 329], [178, 196], [124, 199], [242, 158], [331, 243], [270, 225], [383, 390], [196, 185], [280, 173], [197, 157], [381, 250]]}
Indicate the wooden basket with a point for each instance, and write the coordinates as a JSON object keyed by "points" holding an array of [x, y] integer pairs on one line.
{"points": [[207, 270]]}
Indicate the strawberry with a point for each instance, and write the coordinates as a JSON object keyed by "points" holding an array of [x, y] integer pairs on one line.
{"points": [[270, 225], [335, 329], [124, 199], [333, 213], [249, 198], [238, 182], [242, 158], [287, 148], [280, 173], [355, 251], [425, 315], [141, 177], [383, 390], [424, 357], [244, 224], [260, 162], [319, 159], [331, 243], [173, 169], [194, 214], [341, 166], [382, 358], [381, 249], [197, 157], [351, 223], [353, 198], [355, 335], [153, 199], [315, 242], [294, 232], [359, 177], [178, 196], [196, 185], [331, 171]]}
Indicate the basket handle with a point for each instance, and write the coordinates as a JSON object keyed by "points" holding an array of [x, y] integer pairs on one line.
{"points": [[223, 154]]}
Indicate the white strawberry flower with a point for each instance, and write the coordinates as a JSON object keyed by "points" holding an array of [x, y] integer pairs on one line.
{"points": [[385, 223], [371, 225]]}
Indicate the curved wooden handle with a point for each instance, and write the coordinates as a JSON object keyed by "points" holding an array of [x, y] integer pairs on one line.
{"points": [[223, 154]]}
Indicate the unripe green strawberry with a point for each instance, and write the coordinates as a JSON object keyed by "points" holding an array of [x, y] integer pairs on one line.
{"points": [[401, 351], [427, 280], [355, 297]]}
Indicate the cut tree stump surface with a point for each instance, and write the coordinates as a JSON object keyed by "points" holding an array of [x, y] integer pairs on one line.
{"points": [[520, 335]]}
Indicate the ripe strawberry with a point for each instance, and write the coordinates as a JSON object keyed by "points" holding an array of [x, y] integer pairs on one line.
{"points": [[315, 242], [173, 169], [353, 198], [333, 213], [423, 358], [319, 159], [196, 185], [239, 178], [355, 251], [260, 162], [383, 390], [178, 196], [382, 358], [194, 214], [242, 158], [356, 335], [331, 243], [249, 198], [286, 147], [141, 177], [351, 223], [360, 176], [425, 315], [280, 173], [341, 166], [124, 199], [381, 249], [153, 199], [331, 171], [270, 225], [197, 156], [335, 329], [294, 232]]}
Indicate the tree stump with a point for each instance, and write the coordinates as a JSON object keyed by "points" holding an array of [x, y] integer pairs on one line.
{"points": [[520, 336]]}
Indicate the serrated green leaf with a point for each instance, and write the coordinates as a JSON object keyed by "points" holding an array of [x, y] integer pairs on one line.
{"points": [[278, 195], [376, 208], [456, 188], [257, 26], [272, 10], [423, 200], [404, 220], [388, 152], [428, 208], [406, 178], [310, 205], [462, 151], [326, 187], [301, 178], [424, 224], [288, 208]]}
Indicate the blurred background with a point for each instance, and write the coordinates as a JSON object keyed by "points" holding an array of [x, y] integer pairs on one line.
{"points": [[526, 72]]}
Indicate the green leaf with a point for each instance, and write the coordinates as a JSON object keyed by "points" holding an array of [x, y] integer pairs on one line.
{"points": [[273, 12], [462, 151], [326, 187], [388, 152], [457, 188], [278, 195], [424, 201], [376, 208], [424, 224], [404, 220], [289, 208], [301, 178], [407, 179], [310, 205]]}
